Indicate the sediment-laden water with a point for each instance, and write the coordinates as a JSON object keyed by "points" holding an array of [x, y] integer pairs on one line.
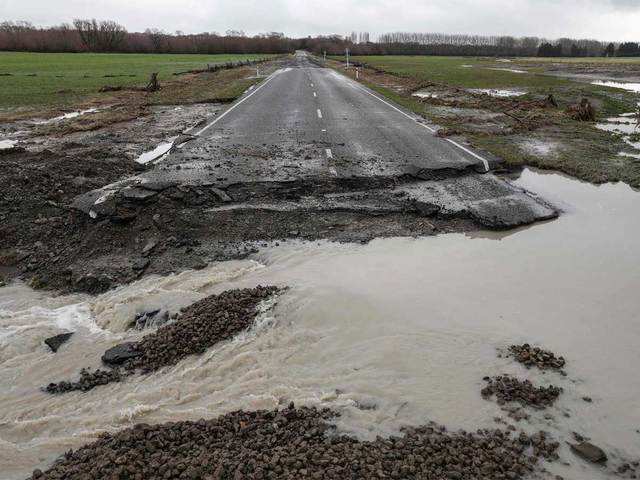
{"points": [[396, 332]]}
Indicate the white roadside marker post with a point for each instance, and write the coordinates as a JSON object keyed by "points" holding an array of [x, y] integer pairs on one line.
{"points": [[347, 51]]}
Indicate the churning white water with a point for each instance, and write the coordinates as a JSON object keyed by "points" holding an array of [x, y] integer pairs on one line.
{"points": [[396, 332]]}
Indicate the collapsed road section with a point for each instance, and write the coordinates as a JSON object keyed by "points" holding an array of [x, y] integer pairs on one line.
{"points": [[305, 154]]}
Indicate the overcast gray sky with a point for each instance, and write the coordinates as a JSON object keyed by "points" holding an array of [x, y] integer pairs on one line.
{"points": [[601, 19]]}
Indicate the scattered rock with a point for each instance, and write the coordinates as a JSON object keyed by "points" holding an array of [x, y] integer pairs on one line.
{"points": [[509, 389], [121, 353], [222, 195], [150, 319], [536, 357], [54, 343], [93, 284], [426, 209], [141, 264], [151, 244], [589, 452], [88, 380]]}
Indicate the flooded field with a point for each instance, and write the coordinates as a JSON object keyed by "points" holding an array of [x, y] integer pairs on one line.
{"points": [[396, 332], [630, 86]]}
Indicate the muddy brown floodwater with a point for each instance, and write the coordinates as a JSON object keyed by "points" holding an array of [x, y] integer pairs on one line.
{"points": [[397, 332]]}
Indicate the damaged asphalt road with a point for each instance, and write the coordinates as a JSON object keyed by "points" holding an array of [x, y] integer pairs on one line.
{"points": [[311, 125], [307, 153]]}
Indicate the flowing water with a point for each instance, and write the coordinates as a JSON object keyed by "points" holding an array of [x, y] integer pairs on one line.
{"points": [[396, 332]]}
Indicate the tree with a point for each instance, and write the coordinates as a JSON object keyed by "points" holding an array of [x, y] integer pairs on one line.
{"points": [[106, 36], [629, 49], [549, 50], [157, 38], [610, 51]]}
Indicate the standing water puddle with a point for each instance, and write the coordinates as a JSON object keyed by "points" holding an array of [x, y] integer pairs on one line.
{"points": [[626, 125], [66, 116], [399, 331], [425, 94], [504, 93], [512, 70], [632, 87]]}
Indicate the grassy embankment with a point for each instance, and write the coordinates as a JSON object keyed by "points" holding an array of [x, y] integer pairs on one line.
{"points": [[63, 79], [576, 148]]}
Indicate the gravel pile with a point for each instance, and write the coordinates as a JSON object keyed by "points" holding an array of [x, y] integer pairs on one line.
{"points": [[201, 325], [536, 357], [509, 389], [88, 380], [298, 444]]}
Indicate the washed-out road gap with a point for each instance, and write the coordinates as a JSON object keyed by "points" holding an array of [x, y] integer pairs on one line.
{"points": [[309, 123]]}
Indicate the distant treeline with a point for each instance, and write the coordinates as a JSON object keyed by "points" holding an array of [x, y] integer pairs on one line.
{"points": [[109, 36], [404, 43]]}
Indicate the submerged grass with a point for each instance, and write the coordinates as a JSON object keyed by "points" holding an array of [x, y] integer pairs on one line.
{"points": [[58, 79]]}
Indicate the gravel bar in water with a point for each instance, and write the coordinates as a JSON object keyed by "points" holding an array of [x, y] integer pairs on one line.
{"points": [[200, 326], [298, 443]]}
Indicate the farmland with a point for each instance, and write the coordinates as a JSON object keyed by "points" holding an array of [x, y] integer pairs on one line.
{"points": [[59, 79]]}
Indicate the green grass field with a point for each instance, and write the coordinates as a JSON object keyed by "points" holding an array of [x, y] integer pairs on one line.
{"points": [[52, 79]]}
